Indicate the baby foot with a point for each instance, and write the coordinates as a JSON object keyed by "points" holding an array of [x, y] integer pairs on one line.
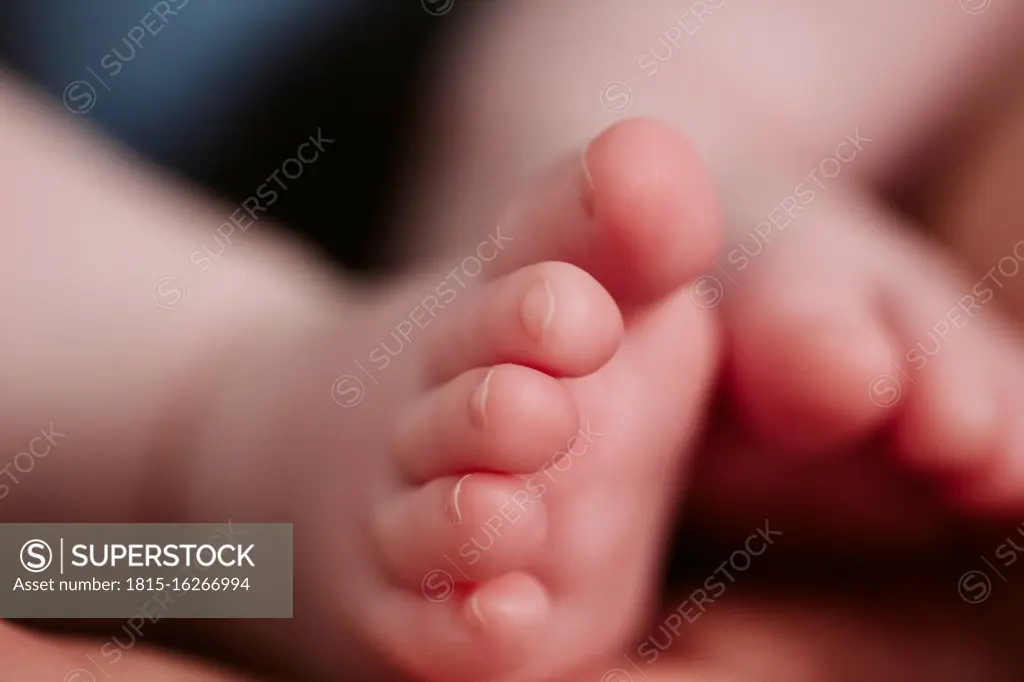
{"points": [[847, 332], [490, 500]]}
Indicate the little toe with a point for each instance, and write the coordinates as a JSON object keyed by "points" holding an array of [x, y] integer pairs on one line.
{"points": [[503, 608], [551, 316], [446, 633], [504, 419], [478, 526]]}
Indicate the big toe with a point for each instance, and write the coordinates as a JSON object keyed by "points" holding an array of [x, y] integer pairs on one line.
{"points": [[635, 209]]}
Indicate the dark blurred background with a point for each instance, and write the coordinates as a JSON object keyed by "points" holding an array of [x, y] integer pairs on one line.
{"points": [[222, 92]]}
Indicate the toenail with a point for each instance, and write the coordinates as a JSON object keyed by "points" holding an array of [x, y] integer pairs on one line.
{"points": [[586, 168], [473, 607], [478, 402], [456, 491], [537, 310], [587, 191]]}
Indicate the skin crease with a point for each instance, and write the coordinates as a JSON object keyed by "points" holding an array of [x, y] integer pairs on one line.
{"points": [[814, 642]]}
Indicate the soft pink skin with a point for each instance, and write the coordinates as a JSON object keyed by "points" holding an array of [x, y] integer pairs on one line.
{"points": [[546, 610], [575, 336], [796, 654], [839, 290]]}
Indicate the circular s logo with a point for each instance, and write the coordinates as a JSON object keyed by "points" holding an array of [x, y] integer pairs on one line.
{"points": [[168, 292], [884, 390], [437, 8], [36, 556], [974, 587], [79, 97], [975, 6], [438, 586], [707, 292], [616, 96], [616, 675], [348, 391]]}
